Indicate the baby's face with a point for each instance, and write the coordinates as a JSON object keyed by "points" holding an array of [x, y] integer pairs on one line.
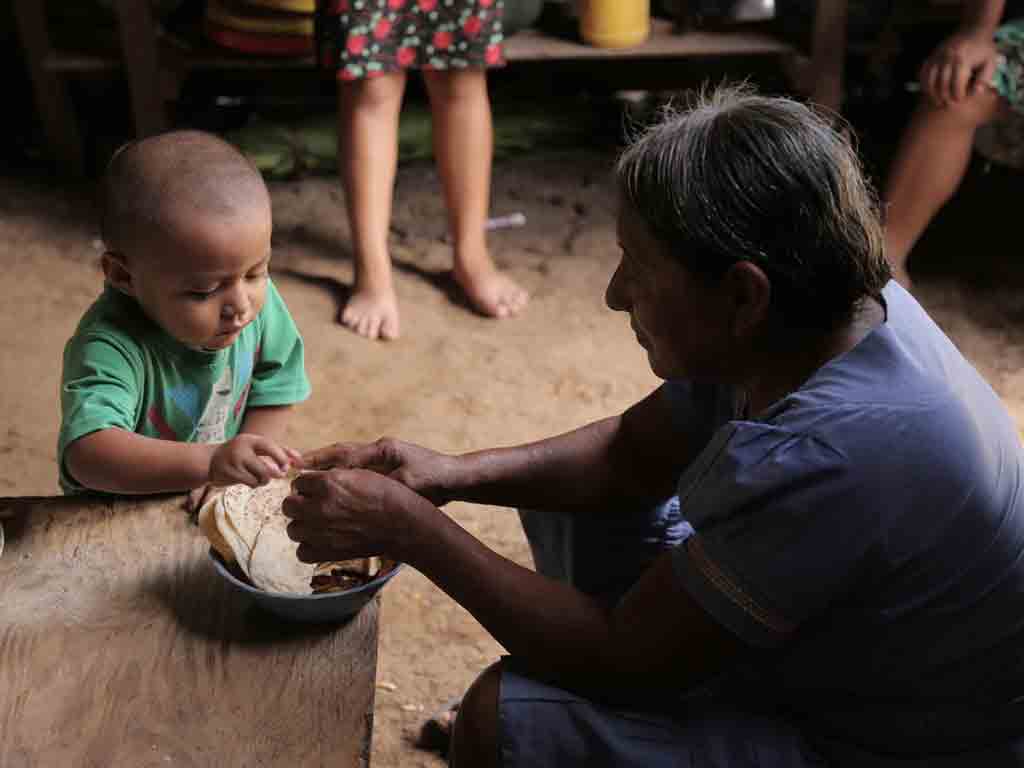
{"points": [[208, 281]]}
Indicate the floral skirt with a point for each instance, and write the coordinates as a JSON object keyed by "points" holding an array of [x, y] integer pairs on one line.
{"points": [[1002, 141], [1009, 76], [363, 38]]}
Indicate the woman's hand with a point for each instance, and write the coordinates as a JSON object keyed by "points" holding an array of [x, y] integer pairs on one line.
{"points": [[959, 67], [345, 513], [429, 473], [251, 459]]}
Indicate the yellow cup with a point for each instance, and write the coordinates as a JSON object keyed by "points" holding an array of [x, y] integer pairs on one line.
{"points": [[614, 23]]}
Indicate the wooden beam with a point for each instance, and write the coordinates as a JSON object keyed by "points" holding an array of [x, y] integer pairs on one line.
{"points": [[56, 112], [664, 42], [139, 47]]}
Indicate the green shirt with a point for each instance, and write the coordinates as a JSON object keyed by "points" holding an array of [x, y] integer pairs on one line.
{"points": [[122, 370]]}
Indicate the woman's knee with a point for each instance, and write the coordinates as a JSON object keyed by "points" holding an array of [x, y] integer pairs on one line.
{"points": [[475, 738]]}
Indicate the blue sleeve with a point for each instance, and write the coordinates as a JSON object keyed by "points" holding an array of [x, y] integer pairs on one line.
{"points": [[781, 522]]}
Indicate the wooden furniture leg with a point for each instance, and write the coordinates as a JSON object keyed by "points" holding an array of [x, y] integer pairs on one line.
{"points": [[60, 124], [140, 50]]}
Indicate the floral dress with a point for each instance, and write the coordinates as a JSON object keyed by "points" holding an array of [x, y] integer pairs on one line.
{"points": [[1002, 140], [363, 38]]}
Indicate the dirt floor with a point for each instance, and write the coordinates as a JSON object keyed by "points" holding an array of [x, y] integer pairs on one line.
{"points": [[455, 381]]}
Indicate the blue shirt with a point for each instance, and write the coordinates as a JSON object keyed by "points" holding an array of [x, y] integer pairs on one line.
{"points": [[867, 533]]}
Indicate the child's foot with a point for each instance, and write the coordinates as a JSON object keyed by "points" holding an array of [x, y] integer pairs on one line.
{"points": [[371, 313], [490, 291]]}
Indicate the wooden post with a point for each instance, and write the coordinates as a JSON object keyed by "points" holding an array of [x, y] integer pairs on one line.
{"points": [[60, 124], [140, 50]]}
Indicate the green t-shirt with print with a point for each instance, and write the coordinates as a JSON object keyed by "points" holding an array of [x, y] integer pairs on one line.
{"points": [[122, 370]]}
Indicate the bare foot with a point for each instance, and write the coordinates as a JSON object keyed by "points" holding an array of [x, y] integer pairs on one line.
{"points": [[491, 292], [371, 313]]}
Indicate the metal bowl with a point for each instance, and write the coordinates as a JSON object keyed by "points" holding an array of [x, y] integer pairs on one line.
{"points": [[329, 607]]}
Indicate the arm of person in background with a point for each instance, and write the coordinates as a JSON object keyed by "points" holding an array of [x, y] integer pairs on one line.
{"points": [[964, 62], [621, 462], [118, 461]]}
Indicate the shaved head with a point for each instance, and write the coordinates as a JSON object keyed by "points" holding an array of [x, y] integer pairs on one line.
{"points": [[154, 185]]}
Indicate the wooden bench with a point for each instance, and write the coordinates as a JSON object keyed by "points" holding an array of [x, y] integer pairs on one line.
{"points": [[155, 68], [121, 646]]}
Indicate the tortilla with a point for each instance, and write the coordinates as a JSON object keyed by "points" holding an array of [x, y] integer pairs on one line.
{"points": [[247, 527], [273, 564], [208, 525], [239, 520]]}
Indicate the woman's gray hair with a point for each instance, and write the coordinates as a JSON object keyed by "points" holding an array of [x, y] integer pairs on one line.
{"points": [[737, 176]]}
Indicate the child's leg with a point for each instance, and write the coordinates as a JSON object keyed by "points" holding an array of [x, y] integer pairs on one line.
{"points": [[463, 147], [368, 112], [929, 166]]}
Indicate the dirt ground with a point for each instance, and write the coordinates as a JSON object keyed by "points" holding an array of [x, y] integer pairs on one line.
{"points": [[455, 381]]}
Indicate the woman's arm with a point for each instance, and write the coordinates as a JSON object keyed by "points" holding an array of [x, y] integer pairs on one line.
{"points": [[635, 458], [618, 462], [656, 639]]}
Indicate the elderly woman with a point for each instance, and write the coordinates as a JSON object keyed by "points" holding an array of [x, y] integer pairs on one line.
{"points": [[848, 585]]}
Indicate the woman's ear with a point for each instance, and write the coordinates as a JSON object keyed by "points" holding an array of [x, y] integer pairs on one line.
{"points": [[115, 269], [749, 292]]}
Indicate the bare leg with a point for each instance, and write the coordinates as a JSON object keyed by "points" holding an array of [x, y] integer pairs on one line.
{"points": [[475, 739], [929, 166], [368, 112], [463, 147]]}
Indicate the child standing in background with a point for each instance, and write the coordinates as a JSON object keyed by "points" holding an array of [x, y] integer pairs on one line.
{"points": [[183, 371], [371, 44]]}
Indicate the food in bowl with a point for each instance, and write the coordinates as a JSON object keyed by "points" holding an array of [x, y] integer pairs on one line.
{"points": [[248, 530]]}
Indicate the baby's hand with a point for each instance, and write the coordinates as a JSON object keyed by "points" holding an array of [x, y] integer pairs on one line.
{"points": [[251, 459]]}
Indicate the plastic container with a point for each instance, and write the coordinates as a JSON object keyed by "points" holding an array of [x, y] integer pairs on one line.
{"points": [[614, 23]]}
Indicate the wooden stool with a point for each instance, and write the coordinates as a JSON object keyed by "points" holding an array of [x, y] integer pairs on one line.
{"points": [[121, 646]]}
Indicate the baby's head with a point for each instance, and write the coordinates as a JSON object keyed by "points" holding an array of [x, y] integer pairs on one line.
{"points": [[186, 225]]}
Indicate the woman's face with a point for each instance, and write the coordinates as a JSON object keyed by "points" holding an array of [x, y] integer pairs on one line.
{"points": [[674, 314]]}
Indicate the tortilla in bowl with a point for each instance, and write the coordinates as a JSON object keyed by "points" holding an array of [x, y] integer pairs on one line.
{"points": [[250, 548]]}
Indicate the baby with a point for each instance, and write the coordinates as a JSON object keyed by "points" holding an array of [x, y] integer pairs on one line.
{"points": [[182, 373]]}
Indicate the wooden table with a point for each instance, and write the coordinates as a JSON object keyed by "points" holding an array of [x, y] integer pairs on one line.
{"points": [[121, 646]]}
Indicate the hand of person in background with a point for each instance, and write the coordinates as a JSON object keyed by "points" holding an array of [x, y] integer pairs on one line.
{"points": [[959, 67], [345, 513], [427, 472], [251, 459]]}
